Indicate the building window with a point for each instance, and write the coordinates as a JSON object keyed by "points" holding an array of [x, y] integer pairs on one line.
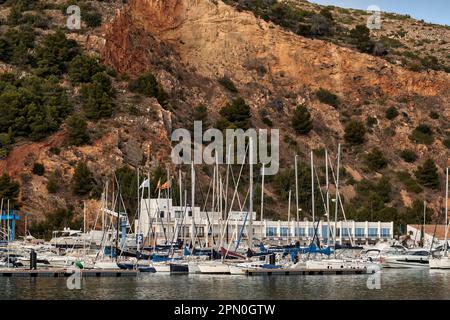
{"points": [[373, 232], [200, 231], [310, 232], [385, 232], [190, 213], [271, 231], [300, 232], [285, 232], [359, 232], [324, 232], [186, 231], [161, 214], [346, 232]]}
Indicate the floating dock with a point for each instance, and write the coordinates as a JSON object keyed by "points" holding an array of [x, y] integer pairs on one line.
{"points": [[302, 272], [64, 273]]}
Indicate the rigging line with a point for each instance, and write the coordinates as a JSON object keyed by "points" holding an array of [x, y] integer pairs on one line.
{"points": [[339, 199], [234, 195]]}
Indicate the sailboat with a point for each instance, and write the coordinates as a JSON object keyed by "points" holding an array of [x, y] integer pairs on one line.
{"points": [[443, 261]]}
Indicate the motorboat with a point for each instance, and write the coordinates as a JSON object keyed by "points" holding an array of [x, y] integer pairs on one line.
{"points": [[412, 258]]}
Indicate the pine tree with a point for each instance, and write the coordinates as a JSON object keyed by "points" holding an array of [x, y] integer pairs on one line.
{"points": [[52, 183], [82, 68], [77, 131], [237, 114], [9, 190], [376, 160], [82, 180], [301, 120], [96, 102], [354, 133], [427, 174]]}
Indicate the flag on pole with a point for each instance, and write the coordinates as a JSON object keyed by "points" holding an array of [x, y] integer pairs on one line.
{"points": [[144, 184]]}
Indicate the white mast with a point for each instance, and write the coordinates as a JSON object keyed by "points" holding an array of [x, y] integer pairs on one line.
{"points": [[262, 201], [312, 189], [328, 197], [250, 232], [446, 213], [289, 216], [84, 227], [297, 209], [138, 231], [168, 207], [337, 197], [193, 202]]}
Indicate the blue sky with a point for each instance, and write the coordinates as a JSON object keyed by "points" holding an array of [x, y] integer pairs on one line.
{"points": [[435, 11]]}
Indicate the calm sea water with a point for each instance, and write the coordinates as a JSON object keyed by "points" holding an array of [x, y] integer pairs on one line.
{"points": [[395, 284]]}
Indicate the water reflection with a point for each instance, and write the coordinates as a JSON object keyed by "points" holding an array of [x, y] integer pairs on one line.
{"points": [[395, 284]]}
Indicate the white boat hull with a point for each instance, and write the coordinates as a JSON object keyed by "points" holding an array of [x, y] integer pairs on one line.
{"points": [[403, 264], [193, 268], [335, 264], [105, 265], [214, 268], [440, 263], [162, 267]]}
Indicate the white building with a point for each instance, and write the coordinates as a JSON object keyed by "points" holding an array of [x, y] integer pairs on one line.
{"points": [[163, 222]]}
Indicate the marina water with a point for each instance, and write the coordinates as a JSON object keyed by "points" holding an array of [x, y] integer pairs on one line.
{"points": [[415, 284]]}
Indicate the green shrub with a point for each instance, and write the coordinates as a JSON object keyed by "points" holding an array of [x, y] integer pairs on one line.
{"points": [[360, 36], [410, 184], [327, 97], [9, 189], [32, 107], [408, 156], [427, 174], [355, 133], [38, 169], [301, 120], [96, 102], [53, 183], [236, 115], [228, 84], [92, 19], [446, 143], [371, 121], [147, 85], [55, 53], [82, 181], [434, 115], [82, 68], [423, 134], [375, 160], [77, 131], [391, 113]]}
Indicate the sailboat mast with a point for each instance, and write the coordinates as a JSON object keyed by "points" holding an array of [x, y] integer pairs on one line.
{"points": [[168, 206], [250, 231], [138, 231], [297, 209], [446, 213], [337, 197], [328, 197], [312, 189], [262, 201], [193, 201]]}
